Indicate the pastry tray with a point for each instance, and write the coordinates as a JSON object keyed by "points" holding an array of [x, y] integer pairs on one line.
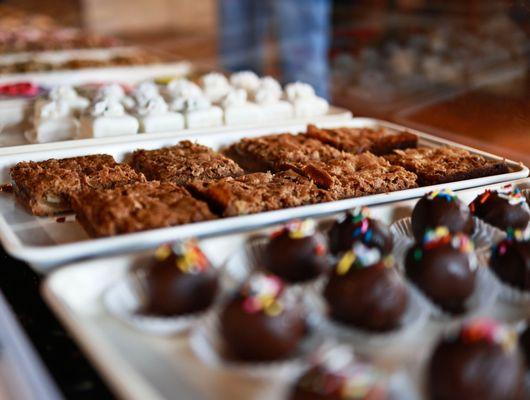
{"points": [[45, 243], [140, 366], [13, 140]]}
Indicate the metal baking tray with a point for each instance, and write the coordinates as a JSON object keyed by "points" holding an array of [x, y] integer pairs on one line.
{"points": [[139, 366], [44, 243]]}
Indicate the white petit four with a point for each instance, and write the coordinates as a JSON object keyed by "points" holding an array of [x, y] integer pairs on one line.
{"points": [[306, 103], [215, 86], [144, 92], [115, 92], [68, 94], [246, 80], [183, 87], [107, 118], [238, 110], [154, 116], [198, 111], [53, 121], [268, 96]]}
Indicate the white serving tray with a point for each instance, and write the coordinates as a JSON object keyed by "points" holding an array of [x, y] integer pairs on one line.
{"points": [[139, 366], [13, 140], [44, 243], [22, 374], [124, 74]]}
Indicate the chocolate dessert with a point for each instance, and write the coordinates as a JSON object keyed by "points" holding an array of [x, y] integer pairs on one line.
{"points": [[297, 252], [259, 323], [180, 281], [366, 291], [480, 362], [510, 260], [443, 268], [357, 226], [441, 208], [524, 344], [505, 209], [338, 377]]}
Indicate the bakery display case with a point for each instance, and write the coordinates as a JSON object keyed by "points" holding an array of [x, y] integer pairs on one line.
{"points": [[281, 199]]}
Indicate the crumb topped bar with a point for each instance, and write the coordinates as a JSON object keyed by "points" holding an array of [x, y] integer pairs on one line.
{"points": [[184, 163], [45, 187], [359, 175], [358, 140], [269, 153], [137, 207], [260, 191], [445, 164]]}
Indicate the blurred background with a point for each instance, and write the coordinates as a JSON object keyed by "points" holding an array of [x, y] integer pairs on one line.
{"points": [[459, 69]]}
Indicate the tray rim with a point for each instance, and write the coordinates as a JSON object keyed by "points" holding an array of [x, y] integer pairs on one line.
{"points": [[43, 258], [81, 328]]}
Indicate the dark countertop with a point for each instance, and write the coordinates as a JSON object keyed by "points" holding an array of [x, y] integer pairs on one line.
{"points": [[67, 365]]}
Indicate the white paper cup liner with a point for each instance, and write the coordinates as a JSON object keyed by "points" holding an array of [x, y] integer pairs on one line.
{"points": [[414, 317], [506, 292], [207, 344], [483, 296], [247, 260], [484, 235], [123, 299]]}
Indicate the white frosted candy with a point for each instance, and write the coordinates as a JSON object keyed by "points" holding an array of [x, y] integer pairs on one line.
{"points": [[63, 92], [246, 80], [299, 90], [108, 107], [184, 88], [235, 98], [154, 106], [215, 86], [55, 109], [145, 91], [114, 91], [190, 103]]}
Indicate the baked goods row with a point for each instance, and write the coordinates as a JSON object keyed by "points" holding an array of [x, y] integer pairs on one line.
{"points": [[190, 183], [111, 110], [21, 32], [313, 294]]}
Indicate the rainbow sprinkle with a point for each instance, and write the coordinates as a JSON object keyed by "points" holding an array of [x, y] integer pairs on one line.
{"points": [[262, 293], [512, 235], [297, 229], [513, 195], [361, 256], [490, 331], [188, 256], [446, 194], [440, 236]]}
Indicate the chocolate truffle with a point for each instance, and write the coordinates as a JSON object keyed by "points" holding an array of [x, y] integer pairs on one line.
{"points": [[441, 208], [180, 281], [365, 291], [259, 323], [510, 261], [524, 343], [480, 362], [341, 376], [297, 252], [358, 226], [504, 209], [443, 267]]}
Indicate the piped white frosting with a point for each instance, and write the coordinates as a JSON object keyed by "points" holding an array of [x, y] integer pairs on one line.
{"points": [[298, 90], [190, 103], [112, 91], [235, 98], [145, 91], [215, 86], [108, 107], [183, 88], [55, 109], [246, 80], [269, 91], [154, 106]]}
